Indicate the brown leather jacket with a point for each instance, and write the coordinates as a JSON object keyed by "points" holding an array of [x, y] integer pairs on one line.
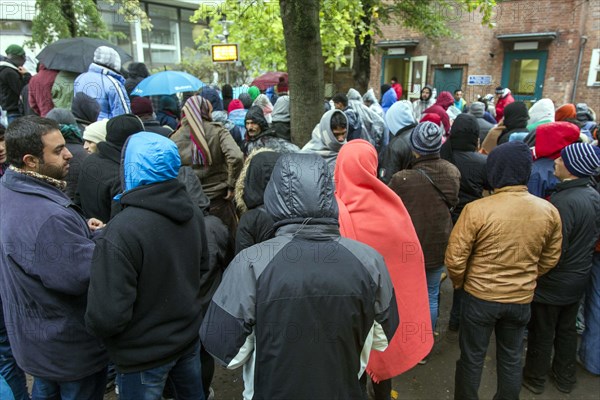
{"points": [[227, 158], [501, 244], [429, 212]]}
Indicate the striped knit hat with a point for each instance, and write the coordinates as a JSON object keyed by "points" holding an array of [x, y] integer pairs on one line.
{"points": [[426, 138], [581, 159]]}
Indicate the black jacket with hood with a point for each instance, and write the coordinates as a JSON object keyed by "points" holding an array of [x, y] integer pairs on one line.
{"points": [[307, 303], [145, 295], [578, 203], [137, 72], [11, 85]]}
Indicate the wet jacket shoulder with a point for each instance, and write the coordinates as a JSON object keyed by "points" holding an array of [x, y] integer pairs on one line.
{"points": [[52, 287], [502, 243], [429, 212], [579, 206], [473, 179]]}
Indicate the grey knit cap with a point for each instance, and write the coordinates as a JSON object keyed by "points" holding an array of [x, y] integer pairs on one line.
{"points": [[108, 57], [426, 138]]}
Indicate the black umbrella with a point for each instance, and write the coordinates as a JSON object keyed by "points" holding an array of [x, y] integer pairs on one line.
{"points": [[75, 54]]}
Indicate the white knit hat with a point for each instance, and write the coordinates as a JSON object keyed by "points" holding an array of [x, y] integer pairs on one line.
{"points": [[96, 132], [108, 57]]}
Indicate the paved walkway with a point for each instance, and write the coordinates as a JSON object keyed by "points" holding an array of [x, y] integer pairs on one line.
{"points": [[435, 380]]}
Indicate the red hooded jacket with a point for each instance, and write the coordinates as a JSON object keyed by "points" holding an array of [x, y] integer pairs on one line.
{"points": [[442, 103], [40, 91]]}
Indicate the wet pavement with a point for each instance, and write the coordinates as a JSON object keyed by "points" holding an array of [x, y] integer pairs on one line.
{"points": [[435, 380]]}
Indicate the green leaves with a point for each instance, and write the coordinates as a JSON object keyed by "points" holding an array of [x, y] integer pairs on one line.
{"points": [[58, 19]]}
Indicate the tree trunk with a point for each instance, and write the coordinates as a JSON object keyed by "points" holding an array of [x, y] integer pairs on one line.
{"points": [[301, 31], [361, 67]]}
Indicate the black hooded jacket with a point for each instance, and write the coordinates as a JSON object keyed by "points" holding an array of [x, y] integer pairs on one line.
{"points": [[11, 85], [578, 203], [144, 251], [516, 117], [137, 72]]}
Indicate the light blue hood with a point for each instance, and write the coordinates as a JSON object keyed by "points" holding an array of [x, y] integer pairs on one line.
{"points": [[400, 115], [388, 99], [148, 158]]}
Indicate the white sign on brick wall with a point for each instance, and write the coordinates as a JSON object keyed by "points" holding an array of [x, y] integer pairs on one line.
{"points": [[479, 80]]}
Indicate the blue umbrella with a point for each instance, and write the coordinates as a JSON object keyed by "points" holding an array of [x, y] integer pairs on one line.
{"points": [[167, 82]]}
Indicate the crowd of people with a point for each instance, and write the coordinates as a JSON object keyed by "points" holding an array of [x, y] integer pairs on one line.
{"points": [[144, 238]]}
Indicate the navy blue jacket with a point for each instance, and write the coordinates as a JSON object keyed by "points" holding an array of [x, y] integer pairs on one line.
{"points": [[45, 260]]}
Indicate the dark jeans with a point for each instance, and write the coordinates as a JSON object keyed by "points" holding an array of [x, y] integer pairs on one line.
{"points": [[88, 388], [551, 326], [454, 321], [10, 371], [184, 375], [478, 319], [382, 390]]}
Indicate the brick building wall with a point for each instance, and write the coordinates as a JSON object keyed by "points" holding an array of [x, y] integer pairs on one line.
{"points": [[479, 52]]}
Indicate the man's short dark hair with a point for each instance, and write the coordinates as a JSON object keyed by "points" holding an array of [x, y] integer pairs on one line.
{"points": [[340, 98], [24, 136], [2, 131], [457, 90], [339, 120]]}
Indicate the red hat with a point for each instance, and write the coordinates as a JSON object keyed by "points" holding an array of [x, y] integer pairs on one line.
{"points": [[564, 112], [235, 104], [141, 106], [436, 119]]}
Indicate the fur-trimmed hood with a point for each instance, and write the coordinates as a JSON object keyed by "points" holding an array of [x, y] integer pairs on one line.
{"points": [[258, 171]]}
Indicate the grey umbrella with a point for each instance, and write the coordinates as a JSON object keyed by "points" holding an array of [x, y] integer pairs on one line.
{"points": [[76, 54]]}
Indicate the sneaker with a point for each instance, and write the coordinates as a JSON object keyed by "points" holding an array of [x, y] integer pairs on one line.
{"points": [[535, 389], [211, 394], [424, 361]]}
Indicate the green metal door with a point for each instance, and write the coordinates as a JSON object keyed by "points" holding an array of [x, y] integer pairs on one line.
{"points": [[523, 73], [447, 79]]}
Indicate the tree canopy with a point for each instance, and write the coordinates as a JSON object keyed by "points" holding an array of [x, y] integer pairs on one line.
{"points": [[59, 19]]}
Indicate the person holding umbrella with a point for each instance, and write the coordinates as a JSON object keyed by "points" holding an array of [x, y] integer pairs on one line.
{"points": [[104, 83]]}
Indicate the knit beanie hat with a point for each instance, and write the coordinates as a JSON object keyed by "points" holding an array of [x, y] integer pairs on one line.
{"points": [[168, 103], [516, 116], [119, 128], [141, 106], [15, 50], [95, 132], [464, 133], [477, 109], [499, 90], [426, 138], [235, 104], [246, 100], [509, 165], [564, 112], [581, 159], [108, 57]]}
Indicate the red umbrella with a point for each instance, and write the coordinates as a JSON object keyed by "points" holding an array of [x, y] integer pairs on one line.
{"points": [[269, 79]]}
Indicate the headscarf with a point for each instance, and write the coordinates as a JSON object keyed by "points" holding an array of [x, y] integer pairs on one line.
{"points": [[541, 111], [388, 229], [67, 124], [264, 103], [196, 110]]}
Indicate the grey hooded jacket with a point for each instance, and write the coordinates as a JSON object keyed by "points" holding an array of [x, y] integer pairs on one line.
{"points": [[304, 309]]}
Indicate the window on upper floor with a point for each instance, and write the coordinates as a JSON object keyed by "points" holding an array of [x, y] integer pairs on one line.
{"points": [[594, 75]]}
